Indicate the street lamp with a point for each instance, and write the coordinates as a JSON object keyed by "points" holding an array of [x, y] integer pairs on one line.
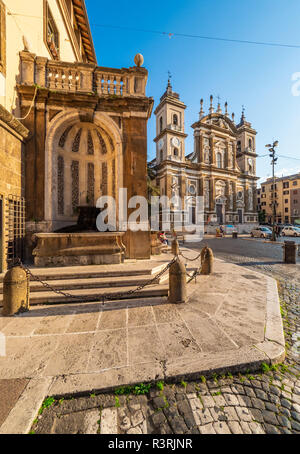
{"points": [[273, 163]]}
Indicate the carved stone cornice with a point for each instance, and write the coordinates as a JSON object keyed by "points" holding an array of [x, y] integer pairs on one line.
{"points": [[13, 123]]}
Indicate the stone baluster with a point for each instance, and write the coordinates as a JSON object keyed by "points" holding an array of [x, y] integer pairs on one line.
{"points": [[51, 79], [98, 79], [105, 84], [56, 78], [109, 83], [118, 85], [125, 86], [73, 81], [112, 85], [59, 80]]}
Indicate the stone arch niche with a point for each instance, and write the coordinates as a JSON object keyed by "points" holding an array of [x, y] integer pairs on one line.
{"points": [[83, 162]]}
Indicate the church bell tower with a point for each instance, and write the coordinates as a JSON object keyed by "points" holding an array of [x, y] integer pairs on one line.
{"points": [[170, 135]]}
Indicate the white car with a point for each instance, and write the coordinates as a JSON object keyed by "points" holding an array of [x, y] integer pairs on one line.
{"points": [[261, 232], [290, 231]]}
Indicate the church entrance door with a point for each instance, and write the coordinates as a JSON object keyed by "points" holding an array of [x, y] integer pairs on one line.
{"points": [[240, 213], [219, 209]]}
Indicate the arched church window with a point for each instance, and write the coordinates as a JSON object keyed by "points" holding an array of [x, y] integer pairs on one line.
{"points": [[239, 146], [175, 120], [250, 144], [160, 124], [161, 155], [219, 161], [176, 152]]}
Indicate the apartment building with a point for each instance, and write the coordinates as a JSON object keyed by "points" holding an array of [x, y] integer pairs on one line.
{"points": [[286, 194]]}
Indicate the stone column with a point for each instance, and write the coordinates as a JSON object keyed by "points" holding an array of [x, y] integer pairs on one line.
{"points": [[212, 194], [227, 191], [234, 155], [201, 146], [227, 155], [246, 201], [212, 150], [234, 196], [201, 186]]}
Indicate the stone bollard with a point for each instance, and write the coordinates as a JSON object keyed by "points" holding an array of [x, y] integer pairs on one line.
{"points": [[15, 292], [175, 247], [177, 283], [290, 249], [207, 261]]}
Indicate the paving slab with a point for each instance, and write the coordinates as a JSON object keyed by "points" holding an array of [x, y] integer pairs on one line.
{"points": [[85, 347]]}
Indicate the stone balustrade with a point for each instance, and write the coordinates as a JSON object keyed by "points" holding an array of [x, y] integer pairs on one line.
{"points": [[82, 77]]}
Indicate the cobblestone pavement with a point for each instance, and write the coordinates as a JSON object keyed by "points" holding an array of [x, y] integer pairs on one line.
{"points": [[265, 402]]}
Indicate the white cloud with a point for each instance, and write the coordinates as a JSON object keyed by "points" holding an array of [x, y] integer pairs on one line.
{"points": [[284, 172]]}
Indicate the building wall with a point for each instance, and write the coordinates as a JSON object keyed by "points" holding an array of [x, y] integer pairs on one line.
{"points": [[26, 18], [12, 178], [284, 196], [295, 202]]}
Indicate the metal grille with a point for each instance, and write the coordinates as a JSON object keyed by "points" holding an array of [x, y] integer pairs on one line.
{"points": [[15, 228]]}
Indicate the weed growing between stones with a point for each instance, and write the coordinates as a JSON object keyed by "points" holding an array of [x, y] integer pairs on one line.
{"points": [[46, 404]]}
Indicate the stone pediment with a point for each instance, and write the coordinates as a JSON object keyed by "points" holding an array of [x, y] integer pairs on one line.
{"points": [[219, 121]]}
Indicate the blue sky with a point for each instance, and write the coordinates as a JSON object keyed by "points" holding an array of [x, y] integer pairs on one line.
{"points": [[258, 77]]}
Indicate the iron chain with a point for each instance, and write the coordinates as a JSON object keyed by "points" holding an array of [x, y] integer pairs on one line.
{"points": [[102, 297], [106, 297]]}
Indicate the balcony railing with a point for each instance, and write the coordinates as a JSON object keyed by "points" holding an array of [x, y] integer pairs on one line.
{"points": [[174, 127], [82, 77]]}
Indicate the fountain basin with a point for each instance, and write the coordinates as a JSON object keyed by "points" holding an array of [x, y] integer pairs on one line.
{"points": [[75, 249]]}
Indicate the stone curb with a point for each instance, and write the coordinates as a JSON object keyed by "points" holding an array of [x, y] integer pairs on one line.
{"points": [[270, 351], [19, 420]]}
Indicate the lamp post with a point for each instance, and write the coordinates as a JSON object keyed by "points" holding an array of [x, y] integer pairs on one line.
{"points": [[273, 163]]}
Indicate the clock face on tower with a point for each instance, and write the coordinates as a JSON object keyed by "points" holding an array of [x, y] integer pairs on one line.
{"points": [[175, 142]]}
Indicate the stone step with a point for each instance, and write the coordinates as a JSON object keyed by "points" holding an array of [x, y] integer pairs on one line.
{"points": [[96, 271], [92, 283], [94, 294]]}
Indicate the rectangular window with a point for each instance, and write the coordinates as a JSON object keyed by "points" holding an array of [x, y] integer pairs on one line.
{"points": [[286, 210], [2, 38], [51, 34], [295, 183]]}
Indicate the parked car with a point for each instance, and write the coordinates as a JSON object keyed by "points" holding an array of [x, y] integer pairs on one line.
{"points": [[261, 232], [290, 231]]}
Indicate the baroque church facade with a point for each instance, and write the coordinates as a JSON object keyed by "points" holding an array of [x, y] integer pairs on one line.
{"points": [[222, 167]]}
